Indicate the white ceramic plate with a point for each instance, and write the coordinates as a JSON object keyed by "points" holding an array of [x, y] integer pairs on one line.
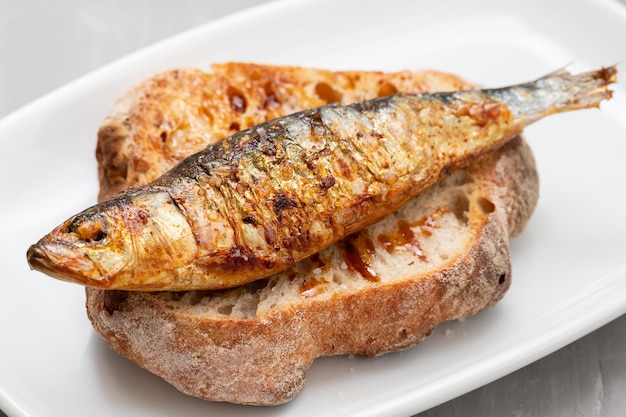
{"points": [[569, 265]]}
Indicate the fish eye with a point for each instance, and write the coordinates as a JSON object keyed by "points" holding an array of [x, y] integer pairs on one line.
{"points": [[88, 229]]}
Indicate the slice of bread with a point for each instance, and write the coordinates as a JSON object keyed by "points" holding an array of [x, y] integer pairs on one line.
{"points": [[442, 256]]}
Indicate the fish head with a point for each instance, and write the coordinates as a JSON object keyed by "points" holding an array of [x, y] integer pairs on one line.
{"points": [[134, 241]]}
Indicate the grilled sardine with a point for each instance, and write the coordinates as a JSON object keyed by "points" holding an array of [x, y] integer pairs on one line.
{"points": [[262, 199]]}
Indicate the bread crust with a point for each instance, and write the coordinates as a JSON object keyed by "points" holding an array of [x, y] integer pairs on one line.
{"points": [[252, 345]]}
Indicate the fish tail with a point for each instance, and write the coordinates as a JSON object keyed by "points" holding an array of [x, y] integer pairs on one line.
{"points": [[558, 92]]}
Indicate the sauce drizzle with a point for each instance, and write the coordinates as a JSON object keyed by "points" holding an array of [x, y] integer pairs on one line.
{"points": [[405, 237], [357, 252]]}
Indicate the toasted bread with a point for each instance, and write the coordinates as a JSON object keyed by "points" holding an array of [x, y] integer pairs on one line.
{"points": [[442, 256]]}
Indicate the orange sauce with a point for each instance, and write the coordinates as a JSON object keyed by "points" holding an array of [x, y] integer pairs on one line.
{"points": [[405, 237], [357, 252], [312, 286]]}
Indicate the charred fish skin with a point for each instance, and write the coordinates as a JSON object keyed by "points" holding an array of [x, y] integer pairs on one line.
{"points": [[262, 199]]}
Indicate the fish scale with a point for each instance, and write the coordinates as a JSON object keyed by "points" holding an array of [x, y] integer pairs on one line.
{"points": [[257, 202]]}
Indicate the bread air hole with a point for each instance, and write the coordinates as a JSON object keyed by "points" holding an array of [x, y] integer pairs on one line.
{"points": [[338, 278], [461, 177], [485, 205], [247, 306], [195, 297], [176, 295], [271, 98], [327, 93], [237, 99], [387, 90], [460, 206], [225, 310]]}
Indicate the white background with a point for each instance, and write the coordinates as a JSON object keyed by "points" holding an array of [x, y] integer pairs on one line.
{"points": [[45, 44]]}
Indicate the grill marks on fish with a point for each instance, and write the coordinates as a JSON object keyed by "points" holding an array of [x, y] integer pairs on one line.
{"points": [[281, 202]]}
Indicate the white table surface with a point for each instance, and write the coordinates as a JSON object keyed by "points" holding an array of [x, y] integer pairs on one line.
{"points": [[45, 44]]}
